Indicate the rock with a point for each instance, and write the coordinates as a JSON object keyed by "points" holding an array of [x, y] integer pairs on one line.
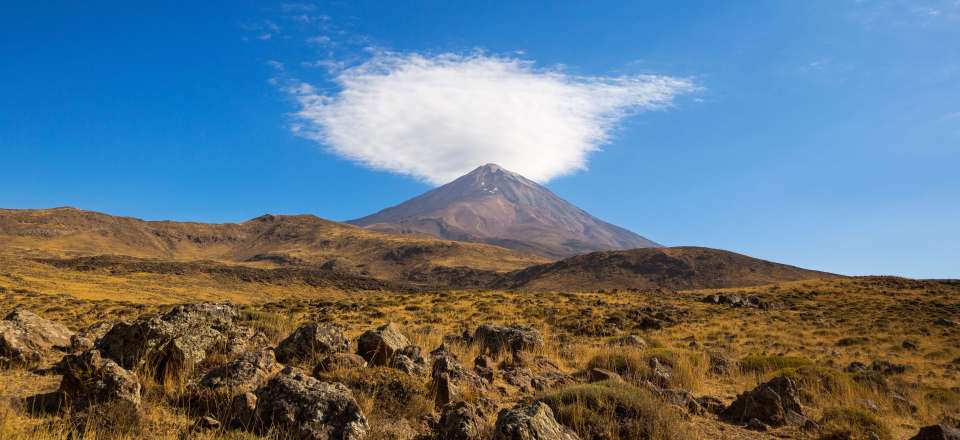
{"points": [[902, 404], [530, 422], [337, 361], [660, 374], [241, 375], [484, 367], [206, 423], [682, 398], [945, 322], [377, 346], [243, 410], [308, 408], [494, 340], [774, 403], [449, 377], [937, 432], [90, 379], [909, 344], [734, 300], [629, 341], [409, 360], [311, 340], [86, 338], [173, 342], [600, 375], [459, 421], [26, 338], [711, 404]]}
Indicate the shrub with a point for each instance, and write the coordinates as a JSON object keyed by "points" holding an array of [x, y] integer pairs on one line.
{"points": [[614, 411], [852, 423]]}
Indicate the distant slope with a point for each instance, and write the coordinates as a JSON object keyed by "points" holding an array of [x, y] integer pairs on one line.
{"points": [[677, 268], [496, 206], [266, 241]]}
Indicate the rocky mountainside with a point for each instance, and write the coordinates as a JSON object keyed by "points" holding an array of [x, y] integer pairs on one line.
{"points": [[267, 241], [678, 268], [496, 206]]}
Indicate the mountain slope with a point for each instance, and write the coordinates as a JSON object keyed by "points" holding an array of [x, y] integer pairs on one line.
{"points": [[266, 241], [496, 206], [678, 268]]}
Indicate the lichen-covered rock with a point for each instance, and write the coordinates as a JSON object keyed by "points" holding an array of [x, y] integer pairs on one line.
{"points": [[338, 361], [86, 338], [310, 341], [174, 342], [409, 360], [511, 339], [26, 338], [90, 379], [460, 421], [241, 375], [530, 422], [774, 403], [307, 408], [377, 346]]}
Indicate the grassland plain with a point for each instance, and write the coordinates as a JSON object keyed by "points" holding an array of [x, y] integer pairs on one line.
{"points": [[810, 331]]}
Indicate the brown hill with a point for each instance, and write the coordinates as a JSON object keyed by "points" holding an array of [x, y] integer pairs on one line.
{"points": [[267, 241], [678, 268], [496, 206]]}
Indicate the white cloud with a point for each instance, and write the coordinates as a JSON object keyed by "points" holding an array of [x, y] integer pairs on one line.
{"points": [[438, 117]]}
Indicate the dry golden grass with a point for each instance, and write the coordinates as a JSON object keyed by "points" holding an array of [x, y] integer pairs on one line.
{"points": [[798, 337]]}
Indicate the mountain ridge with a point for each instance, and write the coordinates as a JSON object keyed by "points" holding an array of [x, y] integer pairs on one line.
{"points": [[497, 206]]}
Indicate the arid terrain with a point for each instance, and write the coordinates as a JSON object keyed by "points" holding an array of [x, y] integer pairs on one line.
{"points": [[296, 327]]}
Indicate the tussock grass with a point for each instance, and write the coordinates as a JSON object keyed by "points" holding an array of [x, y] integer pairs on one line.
{"points": [[614, 411], [853, 424], [687, 368], [761, 364]]}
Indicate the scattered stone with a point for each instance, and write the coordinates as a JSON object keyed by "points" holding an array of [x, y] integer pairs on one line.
{"points": [[530, 422], [86, 338], [484, 367], [377, 346], [308, 408], [409, 360], [241, 375], [494, 340], [774, 403], [337, 361], [600, 375], [720, 364], [910, 344], [449, 377], [945, 322], [660, 373], [734, 300], [937, 432], [90, 379], [26, 338], [629, 341], [311, 340], [206, 423], [459, 421]]}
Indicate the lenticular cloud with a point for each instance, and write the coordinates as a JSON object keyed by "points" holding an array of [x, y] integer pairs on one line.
{"points": [[437, 118]]}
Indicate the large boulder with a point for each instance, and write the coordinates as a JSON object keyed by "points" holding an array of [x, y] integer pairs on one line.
{"points": [[89, 379], [774, 403], [378, 346], [172, 343], [310, 341], [26, 338], [494, 340], [306, 408], [530, 422], [86, 338], [938, 432], [460, 421]]}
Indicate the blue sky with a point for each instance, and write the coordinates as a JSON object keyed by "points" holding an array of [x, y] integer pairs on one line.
{"points": [[824, 134]]}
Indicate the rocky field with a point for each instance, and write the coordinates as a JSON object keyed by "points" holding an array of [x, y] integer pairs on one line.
{"points": [[839, 358]]}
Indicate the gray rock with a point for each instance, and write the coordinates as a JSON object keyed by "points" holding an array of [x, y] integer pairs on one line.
{"points": [[26, 338], [530, 422], [241, 375], [377, 346], [937, 432], [774, 403], [600, 375], [311, 340], [460, 421], [86, 338], [173, 342], [89, 379], [337, 361], [307, 408], [494, 340]]}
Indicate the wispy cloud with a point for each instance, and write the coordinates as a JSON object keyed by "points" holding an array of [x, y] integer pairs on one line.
{"points": [[437, 117]]}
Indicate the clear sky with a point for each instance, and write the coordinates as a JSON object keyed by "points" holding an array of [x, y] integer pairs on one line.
{"points": [[824, 134]]}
